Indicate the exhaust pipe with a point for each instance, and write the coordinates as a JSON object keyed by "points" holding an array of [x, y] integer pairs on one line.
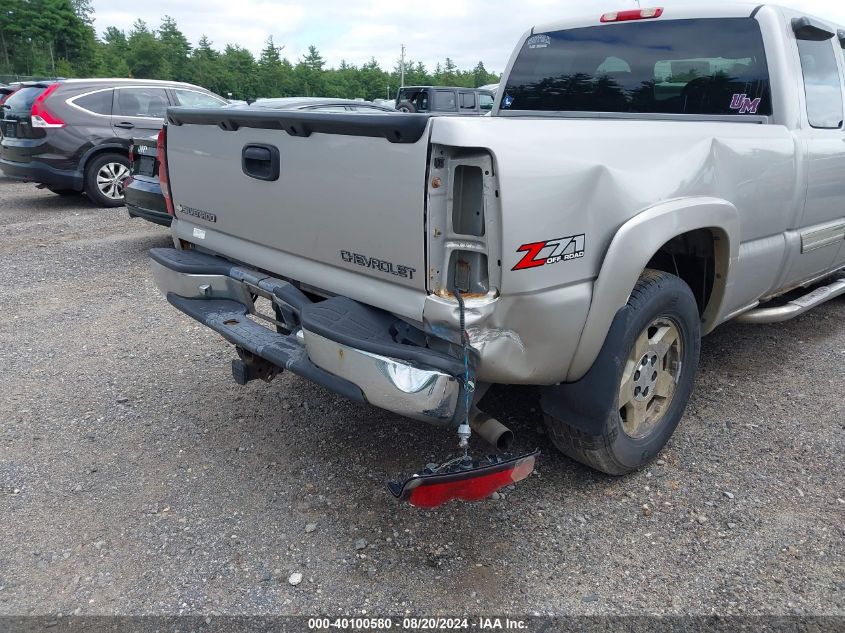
{"points": [[490, 429]]}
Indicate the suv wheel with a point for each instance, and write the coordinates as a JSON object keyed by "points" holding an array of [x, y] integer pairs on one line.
{"points": [[661, 346], [406, 106], [104, 178]]}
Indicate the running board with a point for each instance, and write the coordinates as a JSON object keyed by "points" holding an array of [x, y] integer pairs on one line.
{"points": [[795, 307]]}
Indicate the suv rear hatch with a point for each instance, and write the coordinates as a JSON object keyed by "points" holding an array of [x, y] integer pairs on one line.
{"points": [[20, 136], [281, 191]]}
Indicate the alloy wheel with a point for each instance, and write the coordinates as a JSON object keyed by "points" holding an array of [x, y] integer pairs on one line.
{"points": [[110, 180], [650, 377]]}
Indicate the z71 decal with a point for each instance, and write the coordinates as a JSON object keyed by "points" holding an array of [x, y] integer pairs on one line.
{"points": [[562, 249]]}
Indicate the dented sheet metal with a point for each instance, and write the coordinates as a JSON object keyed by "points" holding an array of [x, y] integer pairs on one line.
{"points": [[566, 186]]}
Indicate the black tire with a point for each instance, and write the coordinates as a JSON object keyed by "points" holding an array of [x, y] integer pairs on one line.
{"points": [[406, 106], [657, 296], [65, 192], [92, 169]]}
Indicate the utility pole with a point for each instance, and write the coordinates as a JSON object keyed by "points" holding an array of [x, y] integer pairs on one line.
{"points": [[402, 68]]}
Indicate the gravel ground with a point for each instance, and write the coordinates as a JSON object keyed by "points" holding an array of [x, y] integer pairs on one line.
{"points": [[138, 478]]}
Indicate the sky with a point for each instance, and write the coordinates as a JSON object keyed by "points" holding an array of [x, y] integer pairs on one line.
{"points": [[356, 30]]}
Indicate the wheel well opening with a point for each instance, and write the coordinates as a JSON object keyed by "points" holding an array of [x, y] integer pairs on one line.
{"points": [[99, 152], [692, 257]]}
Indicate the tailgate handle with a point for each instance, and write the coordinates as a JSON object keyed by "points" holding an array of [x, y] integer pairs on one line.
{"points": [[261, 161]]}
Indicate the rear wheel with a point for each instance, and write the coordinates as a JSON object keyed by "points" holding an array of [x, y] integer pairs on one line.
{"points": [[104, 178], [661, 346]]}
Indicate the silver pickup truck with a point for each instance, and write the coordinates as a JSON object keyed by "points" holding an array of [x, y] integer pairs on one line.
{"points": [[644, 176]]}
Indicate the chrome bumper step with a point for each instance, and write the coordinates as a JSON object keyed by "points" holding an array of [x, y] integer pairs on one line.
{"points": [[229, 319], [358, 351]]}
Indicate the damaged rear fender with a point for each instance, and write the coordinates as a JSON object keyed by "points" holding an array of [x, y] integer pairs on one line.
{"points": [[633, 246]]}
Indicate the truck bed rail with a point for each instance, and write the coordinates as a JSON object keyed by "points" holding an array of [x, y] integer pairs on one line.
{"points": [[398, 128]]}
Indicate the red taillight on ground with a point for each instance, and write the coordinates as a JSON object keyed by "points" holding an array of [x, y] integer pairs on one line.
{"points": [[40, 115], [633, 14], [163, 175], [432, 489]]}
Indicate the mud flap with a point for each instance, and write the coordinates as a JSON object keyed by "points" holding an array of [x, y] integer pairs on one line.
{"points": [[588, 403], [470, 480]]}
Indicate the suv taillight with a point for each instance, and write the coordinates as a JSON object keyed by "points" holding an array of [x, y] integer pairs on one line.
{"points": [[42, 117], [163, 175]]}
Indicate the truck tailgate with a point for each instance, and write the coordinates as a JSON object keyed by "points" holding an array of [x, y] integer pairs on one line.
{"points": [[350, 190]]}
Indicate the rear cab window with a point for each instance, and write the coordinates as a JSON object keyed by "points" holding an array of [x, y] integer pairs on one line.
{"points": [[467, 101], [707, 66]]}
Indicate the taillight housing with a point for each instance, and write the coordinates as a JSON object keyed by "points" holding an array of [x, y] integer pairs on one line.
{"points": [[131, 154], [40, 115], [163, 175], [633, 14], [432, 489]]}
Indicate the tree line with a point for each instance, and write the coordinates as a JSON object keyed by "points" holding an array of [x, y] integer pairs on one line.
{"points": [[56, 38]]}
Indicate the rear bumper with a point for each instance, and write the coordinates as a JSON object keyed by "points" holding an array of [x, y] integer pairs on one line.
{"points": [[143, 199], [338, 343], [35, 171]]}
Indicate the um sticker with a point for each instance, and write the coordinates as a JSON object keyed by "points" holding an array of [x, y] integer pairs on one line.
{"points": [[744, 104]]}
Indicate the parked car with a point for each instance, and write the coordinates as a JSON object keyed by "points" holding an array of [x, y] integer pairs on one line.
{"points": [[646, 176], [142, 190], [73, 135], [445, 100], [6, 90]]}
